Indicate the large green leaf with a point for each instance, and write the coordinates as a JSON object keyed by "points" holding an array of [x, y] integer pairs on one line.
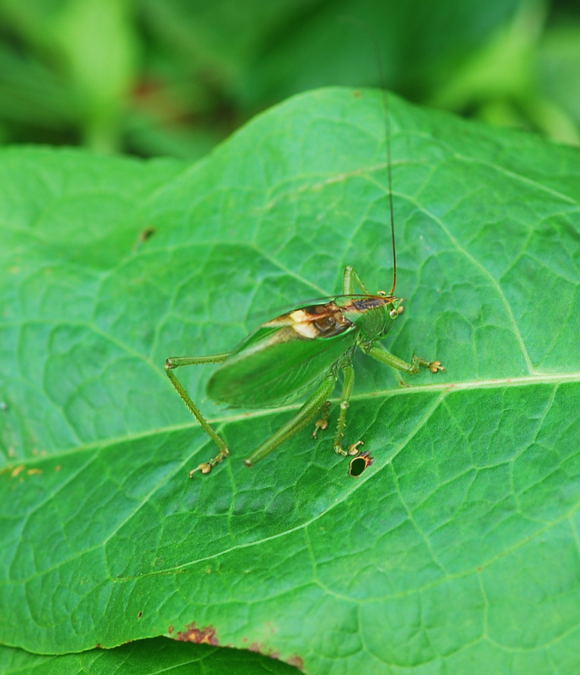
{"points": [[145, 657], [455, 550]]}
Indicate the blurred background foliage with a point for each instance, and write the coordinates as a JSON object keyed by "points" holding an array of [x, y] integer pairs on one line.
{"points": [[174, 77]]}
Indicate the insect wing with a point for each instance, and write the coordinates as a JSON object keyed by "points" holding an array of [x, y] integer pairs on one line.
{"points": [[273, 366]]}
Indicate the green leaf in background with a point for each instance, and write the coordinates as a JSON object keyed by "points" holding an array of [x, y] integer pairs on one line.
{"points": [[85, 67], [143, 658], [173, 78], [456, 547]]}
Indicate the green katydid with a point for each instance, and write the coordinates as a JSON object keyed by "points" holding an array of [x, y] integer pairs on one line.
{"points": [[303, 353]]}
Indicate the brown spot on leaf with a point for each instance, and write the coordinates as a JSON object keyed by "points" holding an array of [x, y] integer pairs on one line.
{"points": [[260, 649], [296, 661], [201, 636], [147, 233], [139, 614], [171, 629], [359, 464], [143, 236]]}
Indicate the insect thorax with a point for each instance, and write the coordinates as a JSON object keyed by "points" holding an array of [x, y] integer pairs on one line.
{"points": [[373, 316]]}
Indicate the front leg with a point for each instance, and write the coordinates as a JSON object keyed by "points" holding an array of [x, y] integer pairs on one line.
{"points": [[349, 280], [381, 354]]}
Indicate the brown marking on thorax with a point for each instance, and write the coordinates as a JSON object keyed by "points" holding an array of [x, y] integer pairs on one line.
{"points": [[327, 319], [315, 321], [372, 302]]}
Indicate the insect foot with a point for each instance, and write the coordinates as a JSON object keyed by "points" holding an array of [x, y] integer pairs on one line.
{"points": [[417, 363], [206, 467], [322, 423], [354, 448], [435, 366], [319, 425]]}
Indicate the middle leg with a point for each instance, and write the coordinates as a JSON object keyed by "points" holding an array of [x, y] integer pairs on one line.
{"points": [[347, 386], [351, 278]]}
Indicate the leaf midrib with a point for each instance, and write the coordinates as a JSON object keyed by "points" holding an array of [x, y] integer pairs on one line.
{"points": [[445, 387]]}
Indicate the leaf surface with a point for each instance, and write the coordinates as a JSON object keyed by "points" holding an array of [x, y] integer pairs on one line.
{"points": [[455, 547], [145, 657]]}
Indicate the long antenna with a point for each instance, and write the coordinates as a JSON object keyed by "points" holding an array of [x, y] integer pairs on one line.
{"points": [[390, 182], [374, 41], [389, 168]]}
